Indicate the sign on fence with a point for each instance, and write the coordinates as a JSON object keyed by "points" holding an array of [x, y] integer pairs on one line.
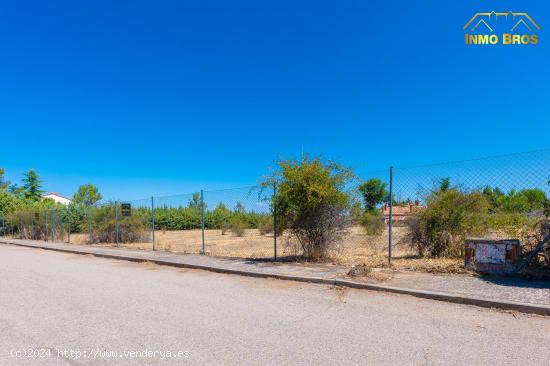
{"points": [[126, 209]]}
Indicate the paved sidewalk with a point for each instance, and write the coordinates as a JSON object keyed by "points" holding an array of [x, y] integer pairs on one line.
{"points": [[506, 293]]}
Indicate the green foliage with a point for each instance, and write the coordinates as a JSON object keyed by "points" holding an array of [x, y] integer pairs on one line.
{"points": [[8, 203], [218, 218], [523, 201], [239, 207], [238, 225], [311, 201], [32, 186], [131, 229], [512, 224], [195, 201], [444, 184], [450, 215], [373, 192], [87, 194], [4, 184], [372, 223]]}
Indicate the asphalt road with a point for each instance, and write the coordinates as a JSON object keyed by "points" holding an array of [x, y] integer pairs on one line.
{"points": [[64, 309]]}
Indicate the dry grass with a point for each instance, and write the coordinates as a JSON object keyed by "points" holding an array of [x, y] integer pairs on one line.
{"points": [[357, 248]]}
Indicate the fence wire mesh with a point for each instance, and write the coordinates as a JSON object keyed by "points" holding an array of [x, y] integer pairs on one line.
{"points": [[434, 207], [239, 222], [437, 206], [178, 223]]}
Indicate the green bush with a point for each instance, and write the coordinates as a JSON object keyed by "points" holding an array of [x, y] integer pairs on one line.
{"points": [[373, 224], [238, 225], [131, 229], [522, 201], [439, 229], [311, 202]]}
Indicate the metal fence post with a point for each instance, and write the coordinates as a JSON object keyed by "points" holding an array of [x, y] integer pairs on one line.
{"points": [[60, 225], [89, 224], [153, 220], [274, 222], [69, 223], [51, 225], [116, 223], [32, 225], [47, 231], [202, 220], [20, 227], [390, 218]]}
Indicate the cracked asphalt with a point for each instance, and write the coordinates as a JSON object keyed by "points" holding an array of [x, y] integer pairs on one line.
{"points": [[66, 309]]}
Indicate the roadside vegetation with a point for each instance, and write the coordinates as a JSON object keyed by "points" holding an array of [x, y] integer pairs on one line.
{"points": [[322, 209]]}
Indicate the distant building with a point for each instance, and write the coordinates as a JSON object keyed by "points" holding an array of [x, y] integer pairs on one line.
{"points": [[57, 198], [399, 212]]}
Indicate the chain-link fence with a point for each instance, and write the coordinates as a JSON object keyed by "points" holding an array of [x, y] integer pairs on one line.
{"points": [[438, 205], [422, 210], [46, 225], [239, 222]]}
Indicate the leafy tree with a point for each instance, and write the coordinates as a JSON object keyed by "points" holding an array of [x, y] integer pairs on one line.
{"points": [[311, 201], [444, 184], [373, 192], [32, 185], [195, 201], [8, 203], [535, 198], [239, 207], [87, 194], [4, 184], [523, 201]]}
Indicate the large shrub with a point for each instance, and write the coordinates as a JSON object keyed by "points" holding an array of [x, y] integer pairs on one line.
{"points": [[450, 215], [372, 223], [311, 202], [131, 229]]}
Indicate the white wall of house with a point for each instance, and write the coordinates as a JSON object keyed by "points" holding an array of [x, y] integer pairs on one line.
{"points": [[57, 198]]}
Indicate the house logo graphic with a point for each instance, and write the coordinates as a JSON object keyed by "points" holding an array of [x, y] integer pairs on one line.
{"points": [[506, 28]]}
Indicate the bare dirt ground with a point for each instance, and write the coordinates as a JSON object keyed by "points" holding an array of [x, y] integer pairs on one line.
{"points": [[356, 248]]}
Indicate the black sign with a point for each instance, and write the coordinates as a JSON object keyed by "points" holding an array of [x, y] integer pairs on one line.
{"points": [[126, 209]]}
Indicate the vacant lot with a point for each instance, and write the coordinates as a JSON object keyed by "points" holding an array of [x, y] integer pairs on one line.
{"points": [[355, 248]]}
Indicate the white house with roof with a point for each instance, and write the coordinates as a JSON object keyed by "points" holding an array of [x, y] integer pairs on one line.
{"points": [[57, 198]]}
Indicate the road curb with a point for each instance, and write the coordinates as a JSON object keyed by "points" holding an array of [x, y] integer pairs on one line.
{"points": [[431, 295]]}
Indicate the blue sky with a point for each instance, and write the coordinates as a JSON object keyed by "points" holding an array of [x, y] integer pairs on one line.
{"points": [[169, 97]]}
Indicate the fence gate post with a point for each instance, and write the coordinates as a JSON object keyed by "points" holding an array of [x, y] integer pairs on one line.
{"points": [[116, 223], [153, 220], [69, 223], [89, 224], [51, 225], [47, 231], [60, 225], [390, 218], [202, 220], [274, 222], [32, 224]]}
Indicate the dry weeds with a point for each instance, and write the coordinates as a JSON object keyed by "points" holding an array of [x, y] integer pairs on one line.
{"points": [[356, 248]]}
